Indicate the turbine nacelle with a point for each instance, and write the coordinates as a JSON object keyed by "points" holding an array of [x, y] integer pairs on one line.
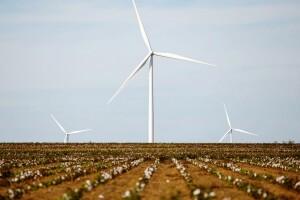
{"points": [[66, 140], [141, 65]]}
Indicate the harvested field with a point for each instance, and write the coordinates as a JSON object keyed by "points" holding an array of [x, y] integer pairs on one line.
{"points": [[149, 171]]}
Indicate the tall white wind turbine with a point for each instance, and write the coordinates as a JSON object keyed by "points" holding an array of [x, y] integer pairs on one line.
{"points": [[66, 140], [231, 129], [150, 56]]}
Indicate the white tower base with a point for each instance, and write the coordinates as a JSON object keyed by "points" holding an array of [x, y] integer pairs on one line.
{"points": [[151, 104]]}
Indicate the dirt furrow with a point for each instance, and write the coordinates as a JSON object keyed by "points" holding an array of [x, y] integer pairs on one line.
{"points": [[47, 174], [275, 189], [268, 170], [115, 188], [223, 190], [31, 183], [35, 167], [55, 192], [167, 183]]}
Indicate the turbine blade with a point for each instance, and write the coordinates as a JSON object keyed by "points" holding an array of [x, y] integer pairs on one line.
{"points": [[242, 131], [227, 116], [143, 31], [80, 131], [60, 126], [169, 55], [224, 136], [130, 77]]}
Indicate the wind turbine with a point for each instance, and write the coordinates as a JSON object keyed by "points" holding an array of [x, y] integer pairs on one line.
{"points": [[66, 140], [150, 56], [232, 129]]}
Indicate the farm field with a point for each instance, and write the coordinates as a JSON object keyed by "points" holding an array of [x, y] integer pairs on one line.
{"points": [[149, 171]]}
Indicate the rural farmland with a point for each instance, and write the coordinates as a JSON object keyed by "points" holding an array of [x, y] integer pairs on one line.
{"points": [[149, 171]]}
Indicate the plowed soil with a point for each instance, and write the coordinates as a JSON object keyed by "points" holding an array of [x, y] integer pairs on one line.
{"points": [[166, 183], [275, 189], [115, 188], [223, 190]]}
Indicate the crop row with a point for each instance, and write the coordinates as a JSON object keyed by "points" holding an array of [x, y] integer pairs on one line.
{"points": [[287, 182], [33, 174], [286, 163], [32, 154], [101, 178], [70, 175], [196, 192], [134, 194], [22, 159], [257, 191]]}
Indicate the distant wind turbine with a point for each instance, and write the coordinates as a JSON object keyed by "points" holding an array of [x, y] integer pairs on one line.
{"points": [[150, 56], [231, 129], [66, 140]]}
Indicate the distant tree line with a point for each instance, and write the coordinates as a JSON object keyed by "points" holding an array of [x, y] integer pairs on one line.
{"points": [[288, 142]]}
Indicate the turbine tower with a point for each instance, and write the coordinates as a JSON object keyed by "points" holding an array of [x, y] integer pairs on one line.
{"points": [[231, 129], [150, 56], [66, 140]]}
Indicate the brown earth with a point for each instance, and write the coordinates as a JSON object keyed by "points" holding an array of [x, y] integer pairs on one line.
{"points": [[54, 192], [223, 190], [115, 188], [158, 187], [166, 183], [34, 167], [3, 190], [275, 189], [269, 170]]}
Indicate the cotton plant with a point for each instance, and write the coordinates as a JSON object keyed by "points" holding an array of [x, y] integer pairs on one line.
{"points": [[101, 178], [287, 164], [254, 190], [285, 181], [196, 192], [142, 182], [74, 172]]}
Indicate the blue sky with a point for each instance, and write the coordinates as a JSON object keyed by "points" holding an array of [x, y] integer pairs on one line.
{"points": [[68, 58]]}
